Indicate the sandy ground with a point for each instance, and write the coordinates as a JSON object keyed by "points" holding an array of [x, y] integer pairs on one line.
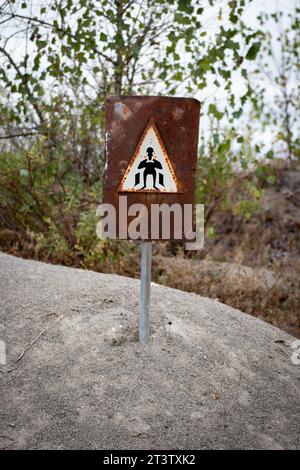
{"points": [[211, 377]]}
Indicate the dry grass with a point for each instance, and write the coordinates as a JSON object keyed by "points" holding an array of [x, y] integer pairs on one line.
{"points": [[273, 296]]}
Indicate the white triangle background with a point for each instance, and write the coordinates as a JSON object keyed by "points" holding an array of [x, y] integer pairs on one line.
{"points": [[150, 140]]}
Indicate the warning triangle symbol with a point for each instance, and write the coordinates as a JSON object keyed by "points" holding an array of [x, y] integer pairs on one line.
{"points": [[150, 169]]}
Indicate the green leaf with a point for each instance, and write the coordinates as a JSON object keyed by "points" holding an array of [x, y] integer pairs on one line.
{"points": [[253, 51], [41, 44], [205, 65], [212, 109], [36, 62], [177, 76], [184, 5], [163, 75], [237, 114], [80, 57], [181, 19], [233, 18]]}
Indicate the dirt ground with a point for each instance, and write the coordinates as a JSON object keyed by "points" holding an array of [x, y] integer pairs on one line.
{"points": [[212, 377]]}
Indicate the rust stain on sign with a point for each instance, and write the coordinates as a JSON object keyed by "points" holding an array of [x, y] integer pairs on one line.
{"points": [[174, 123]]}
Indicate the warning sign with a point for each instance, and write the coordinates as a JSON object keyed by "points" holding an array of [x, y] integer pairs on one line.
{"points": [[151, 147], [150, 168]]}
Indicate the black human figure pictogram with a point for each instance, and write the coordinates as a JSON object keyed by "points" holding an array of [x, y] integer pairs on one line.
{"points": [[151, 167]]}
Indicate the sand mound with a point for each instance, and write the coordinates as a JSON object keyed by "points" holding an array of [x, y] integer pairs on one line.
{"points": [[211, 377]]}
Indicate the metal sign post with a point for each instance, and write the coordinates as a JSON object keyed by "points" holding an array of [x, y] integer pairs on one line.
{"points": [[146, 261]]}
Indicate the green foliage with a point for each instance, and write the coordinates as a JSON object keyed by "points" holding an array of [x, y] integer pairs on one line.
{"points": [[50, 183], [119, 47], [277, 90], [228, 175]]}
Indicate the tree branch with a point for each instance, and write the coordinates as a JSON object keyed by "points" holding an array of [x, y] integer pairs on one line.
{"points": [[24, 81], [21, 134], [58, 29]]}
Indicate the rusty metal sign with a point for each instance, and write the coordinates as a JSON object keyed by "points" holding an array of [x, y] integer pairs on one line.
{"points": [[151, 154]]}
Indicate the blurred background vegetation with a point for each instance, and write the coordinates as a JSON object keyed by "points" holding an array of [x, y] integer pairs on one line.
{"points": [[59, 60]]}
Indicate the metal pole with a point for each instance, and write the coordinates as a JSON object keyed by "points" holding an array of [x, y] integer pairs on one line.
{"points": [[146, 259]]}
